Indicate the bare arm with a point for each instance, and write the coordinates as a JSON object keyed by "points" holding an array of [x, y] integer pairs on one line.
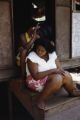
{"points": [[23, 40], [58, 64], [26, 44], [59, 67], [33, 36], [33, 68]]}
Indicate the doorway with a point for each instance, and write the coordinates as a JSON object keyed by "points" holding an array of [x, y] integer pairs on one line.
{"points": [[22, 17]]}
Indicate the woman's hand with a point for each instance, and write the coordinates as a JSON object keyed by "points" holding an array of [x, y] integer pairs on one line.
{"points": [[35, 36], [59, 71], [33, 33]]}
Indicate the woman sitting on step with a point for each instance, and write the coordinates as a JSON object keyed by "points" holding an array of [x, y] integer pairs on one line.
{"points": [[45, 74]]}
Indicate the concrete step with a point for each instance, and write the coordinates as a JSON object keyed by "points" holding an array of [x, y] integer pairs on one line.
{"points": [[69, 110], [59, 105]]}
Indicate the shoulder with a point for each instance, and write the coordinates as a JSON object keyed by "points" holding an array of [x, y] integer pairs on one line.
{"points": [[33, 57], [53, 54], [31, 54]]}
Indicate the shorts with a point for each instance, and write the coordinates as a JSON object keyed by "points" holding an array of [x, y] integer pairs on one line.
{"points": [[36, 85]]}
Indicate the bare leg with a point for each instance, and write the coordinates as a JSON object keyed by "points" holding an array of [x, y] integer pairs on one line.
{"points": [[53, 85], [70, 86]]}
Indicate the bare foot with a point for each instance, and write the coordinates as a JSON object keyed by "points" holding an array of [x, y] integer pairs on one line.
{"points": [[76, 93]]}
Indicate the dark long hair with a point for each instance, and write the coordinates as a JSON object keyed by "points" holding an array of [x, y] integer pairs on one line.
{"points": [[45, 43]]}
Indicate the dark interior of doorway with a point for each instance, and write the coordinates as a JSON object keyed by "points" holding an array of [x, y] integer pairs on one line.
{"points": [[22, 17]]}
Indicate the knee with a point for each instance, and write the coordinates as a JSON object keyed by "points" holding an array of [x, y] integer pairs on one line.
{"points": [[56, 78], [67, 75]]}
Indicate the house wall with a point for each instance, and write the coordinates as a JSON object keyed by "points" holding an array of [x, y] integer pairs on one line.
{"points": [[63, 31], [76, 34], [63, 28], [6, 45]]}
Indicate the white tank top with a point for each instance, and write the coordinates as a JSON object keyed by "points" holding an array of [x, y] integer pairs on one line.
{"points": [[42, 64]]}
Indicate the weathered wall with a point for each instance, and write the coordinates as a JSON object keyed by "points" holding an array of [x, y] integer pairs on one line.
{"points": [[63, 28], [5, 35], [6, 49], [76, 34], [63, 2], [64, 34]]}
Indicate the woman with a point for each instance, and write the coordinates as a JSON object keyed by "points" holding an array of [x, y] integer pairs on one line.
{"points": [[45, 74]]}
